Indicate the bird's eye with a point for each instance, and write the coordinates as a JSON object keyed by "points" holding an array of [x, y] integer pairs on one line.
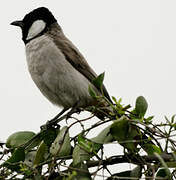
{"points": [[36, 28]]}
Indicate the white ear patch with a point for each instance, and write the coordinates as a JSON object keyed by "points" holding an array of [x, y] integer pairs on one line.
{"points": [[36, 28]]}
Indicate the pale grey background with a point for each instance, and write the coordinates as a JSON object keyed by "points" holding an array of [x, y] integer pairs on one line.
{"points": [[133, 41]]}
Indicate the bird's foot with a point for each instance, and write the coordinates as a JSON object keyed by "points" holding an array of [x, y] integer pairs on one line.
{"points": [[49, 125]]}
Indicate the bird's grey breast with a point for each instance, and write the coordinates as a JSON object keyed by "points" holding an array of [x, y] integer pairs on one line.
{"points": [[56, 78], [40, 53]]}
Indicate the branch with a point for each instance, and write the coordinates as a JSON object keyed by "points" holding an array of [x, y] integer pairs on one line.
{"points": [[125, 159]]}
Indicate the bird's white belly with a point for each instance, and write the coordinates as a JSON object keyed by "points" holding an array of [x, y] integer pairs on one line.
{"points": [[56, 78]]}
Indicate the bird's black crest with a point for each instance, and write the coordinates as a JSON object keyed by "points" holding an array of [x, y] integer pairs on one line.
{"points": [[41, 13]]}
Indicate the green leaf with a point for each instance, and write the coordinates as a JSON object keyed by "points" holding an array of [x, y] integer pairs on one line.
{"points": [[119, 129], [136, 172], [19, 138], [17, 156], [151, 149], [40, 154], [119, 176], [118, 108], [125, 133], [84, 143], [172, 121], [49, 135], [149, 119], [161, 173], [91, 92], [115, 100], [88, 145], [98, 82], [173, 118], [141, 106], [104, 136], [61, 145], [79, 155], [81, 172], [174, 125], [169, 176], [118, 103], [84, 150], [29, 158]]}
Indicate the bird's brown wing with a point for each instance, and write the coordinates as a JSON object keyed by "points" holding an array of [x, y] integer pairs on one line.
{"points": [[75, 58]]}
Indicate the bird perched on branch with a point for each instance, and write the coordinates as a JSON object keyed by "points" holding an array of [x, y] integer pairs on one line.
{"points": [[56, 66]]}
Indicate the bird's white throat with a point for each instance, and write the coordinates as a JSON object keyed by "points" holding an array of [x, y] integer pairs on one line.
{"points": [[36, 28]]}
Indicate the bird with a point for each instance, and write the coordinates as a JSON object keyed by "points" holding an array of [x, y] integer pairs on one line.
{"points": [[56, 66]]}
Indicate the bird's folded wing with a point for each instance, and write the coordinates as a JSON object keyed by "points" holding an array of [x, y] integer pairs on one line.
{"points": [[76, 59]]}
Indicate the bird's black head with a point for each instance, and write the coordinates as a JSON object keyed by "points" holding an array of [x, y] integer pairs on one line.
{"points": [[35, 23]]}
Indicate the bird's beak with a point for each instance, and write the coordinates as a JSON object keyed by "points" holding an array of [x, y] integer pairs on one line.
{"points": [[18, 23]]}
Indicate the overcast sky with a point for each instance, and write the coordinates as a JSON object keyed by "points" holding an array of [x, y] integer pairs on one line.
{"points": [[133, 41]]}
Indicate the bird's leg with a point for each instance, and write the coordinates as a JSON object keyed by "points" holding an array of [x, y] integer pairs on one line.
{"points": [[73, 110], [54, 120], [58, 115]]}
